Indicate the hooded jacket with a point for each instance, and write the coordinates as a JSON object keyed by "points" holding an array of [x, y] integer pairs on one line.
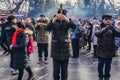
{"points": [[42, 35], [20, 59]]}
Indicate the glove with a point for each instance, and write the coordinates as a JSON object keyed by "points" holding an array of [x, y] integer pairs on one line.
{"points": [[109, 27], [109, 32]]}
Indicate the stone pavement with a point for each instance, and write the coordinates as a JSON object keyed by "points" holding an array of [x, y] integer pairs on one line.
{"points": [[82, 68]]}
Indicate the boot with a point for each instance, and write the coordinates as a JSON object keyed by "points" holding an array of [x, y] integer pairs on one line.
{"points": [[4, 52], [106, 79], [31, 77], [100, 78]]}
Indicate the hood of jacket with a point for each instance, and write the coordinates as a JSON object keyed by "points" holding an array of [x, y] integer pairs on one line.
{"points": [[28, 31]]}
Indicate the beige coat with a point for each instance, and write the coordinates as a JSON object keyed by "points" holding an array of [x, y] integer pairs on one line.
{"points": [[42, 35]]}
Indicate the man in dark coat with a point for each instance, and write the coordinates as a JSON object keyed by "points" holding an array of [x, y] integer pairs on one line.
{"points": [[3, 36], [9, 30], [106, 46], [61, 48]]}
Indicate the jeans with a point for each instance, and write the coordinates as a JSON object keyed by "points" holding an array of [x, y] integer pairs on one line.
{"points": [[42, 47], [60, 66], [104, 62], [95, 48]]}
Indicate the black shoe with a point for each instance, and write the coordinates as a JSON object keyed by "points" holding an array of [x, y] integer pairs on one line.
{"points": [[95, 57], [40, 61], [88, 49], [46, 61], [106, 79], [4, 52], [31, 78], [75, 57], [7, 54], [14, 72], [100, 78]]}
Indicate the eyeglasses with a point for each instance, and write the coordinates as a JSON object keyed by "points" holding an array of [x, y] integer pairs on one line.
{"points": [[107, 19]]}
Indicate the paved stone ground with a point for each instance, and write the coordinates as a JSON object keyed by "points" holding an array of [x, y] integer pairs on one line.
{"points": [[82, 68]]}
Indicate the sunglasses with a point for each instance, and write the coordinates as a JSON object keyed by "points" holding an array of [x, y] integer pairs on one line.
{"points": [[107, 19]]}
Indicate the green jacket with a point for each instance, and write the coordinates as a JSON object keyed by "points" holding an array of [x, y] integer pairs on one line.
{"points": [[42, 35]]}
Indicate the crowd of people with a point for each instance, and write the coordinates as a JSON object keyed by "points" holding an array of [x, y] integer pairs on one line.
{"points": [[68, 37]]}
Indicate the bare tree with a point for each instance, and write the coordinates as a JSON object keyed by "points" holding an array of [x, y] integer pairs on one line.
{"points": [[112, 5], [16, 9], [86, 2], [50, 4], [36, 6]]}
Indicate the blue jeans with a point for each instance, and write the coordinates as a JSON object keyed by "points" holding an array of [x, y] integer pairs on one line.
{"points": [[60, 66], [104, 62]]}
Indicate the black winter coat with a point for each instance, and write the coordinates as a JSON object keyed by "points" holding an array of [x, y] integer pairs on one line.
{"points": [[9, 30], [3, 33], [61, 47], [106, 41], [20, 59]]}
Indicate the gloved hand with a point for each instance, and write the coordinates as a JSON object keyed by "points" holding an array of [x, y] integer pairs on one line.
{"points": [[109, 32], [109, 27]]}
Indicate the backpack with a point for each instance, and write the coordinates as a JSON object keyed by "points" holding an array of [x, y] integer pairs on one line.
{"points": [[30, 48]]}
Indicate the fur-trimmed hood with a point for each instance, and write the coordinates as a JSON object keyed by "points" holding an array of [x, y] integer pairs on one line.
{"points": [[28, 31]]}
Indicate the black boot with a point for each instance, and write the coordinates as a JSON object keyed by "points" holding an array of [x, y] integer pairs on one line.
{"points": [[31, 77], [4, 52], [100, 78], [106, 79]]}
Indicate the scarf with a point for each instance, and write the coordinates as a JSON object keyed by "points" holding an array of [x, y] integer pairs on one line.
{"points": [[102, 25], [15, 35]]}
